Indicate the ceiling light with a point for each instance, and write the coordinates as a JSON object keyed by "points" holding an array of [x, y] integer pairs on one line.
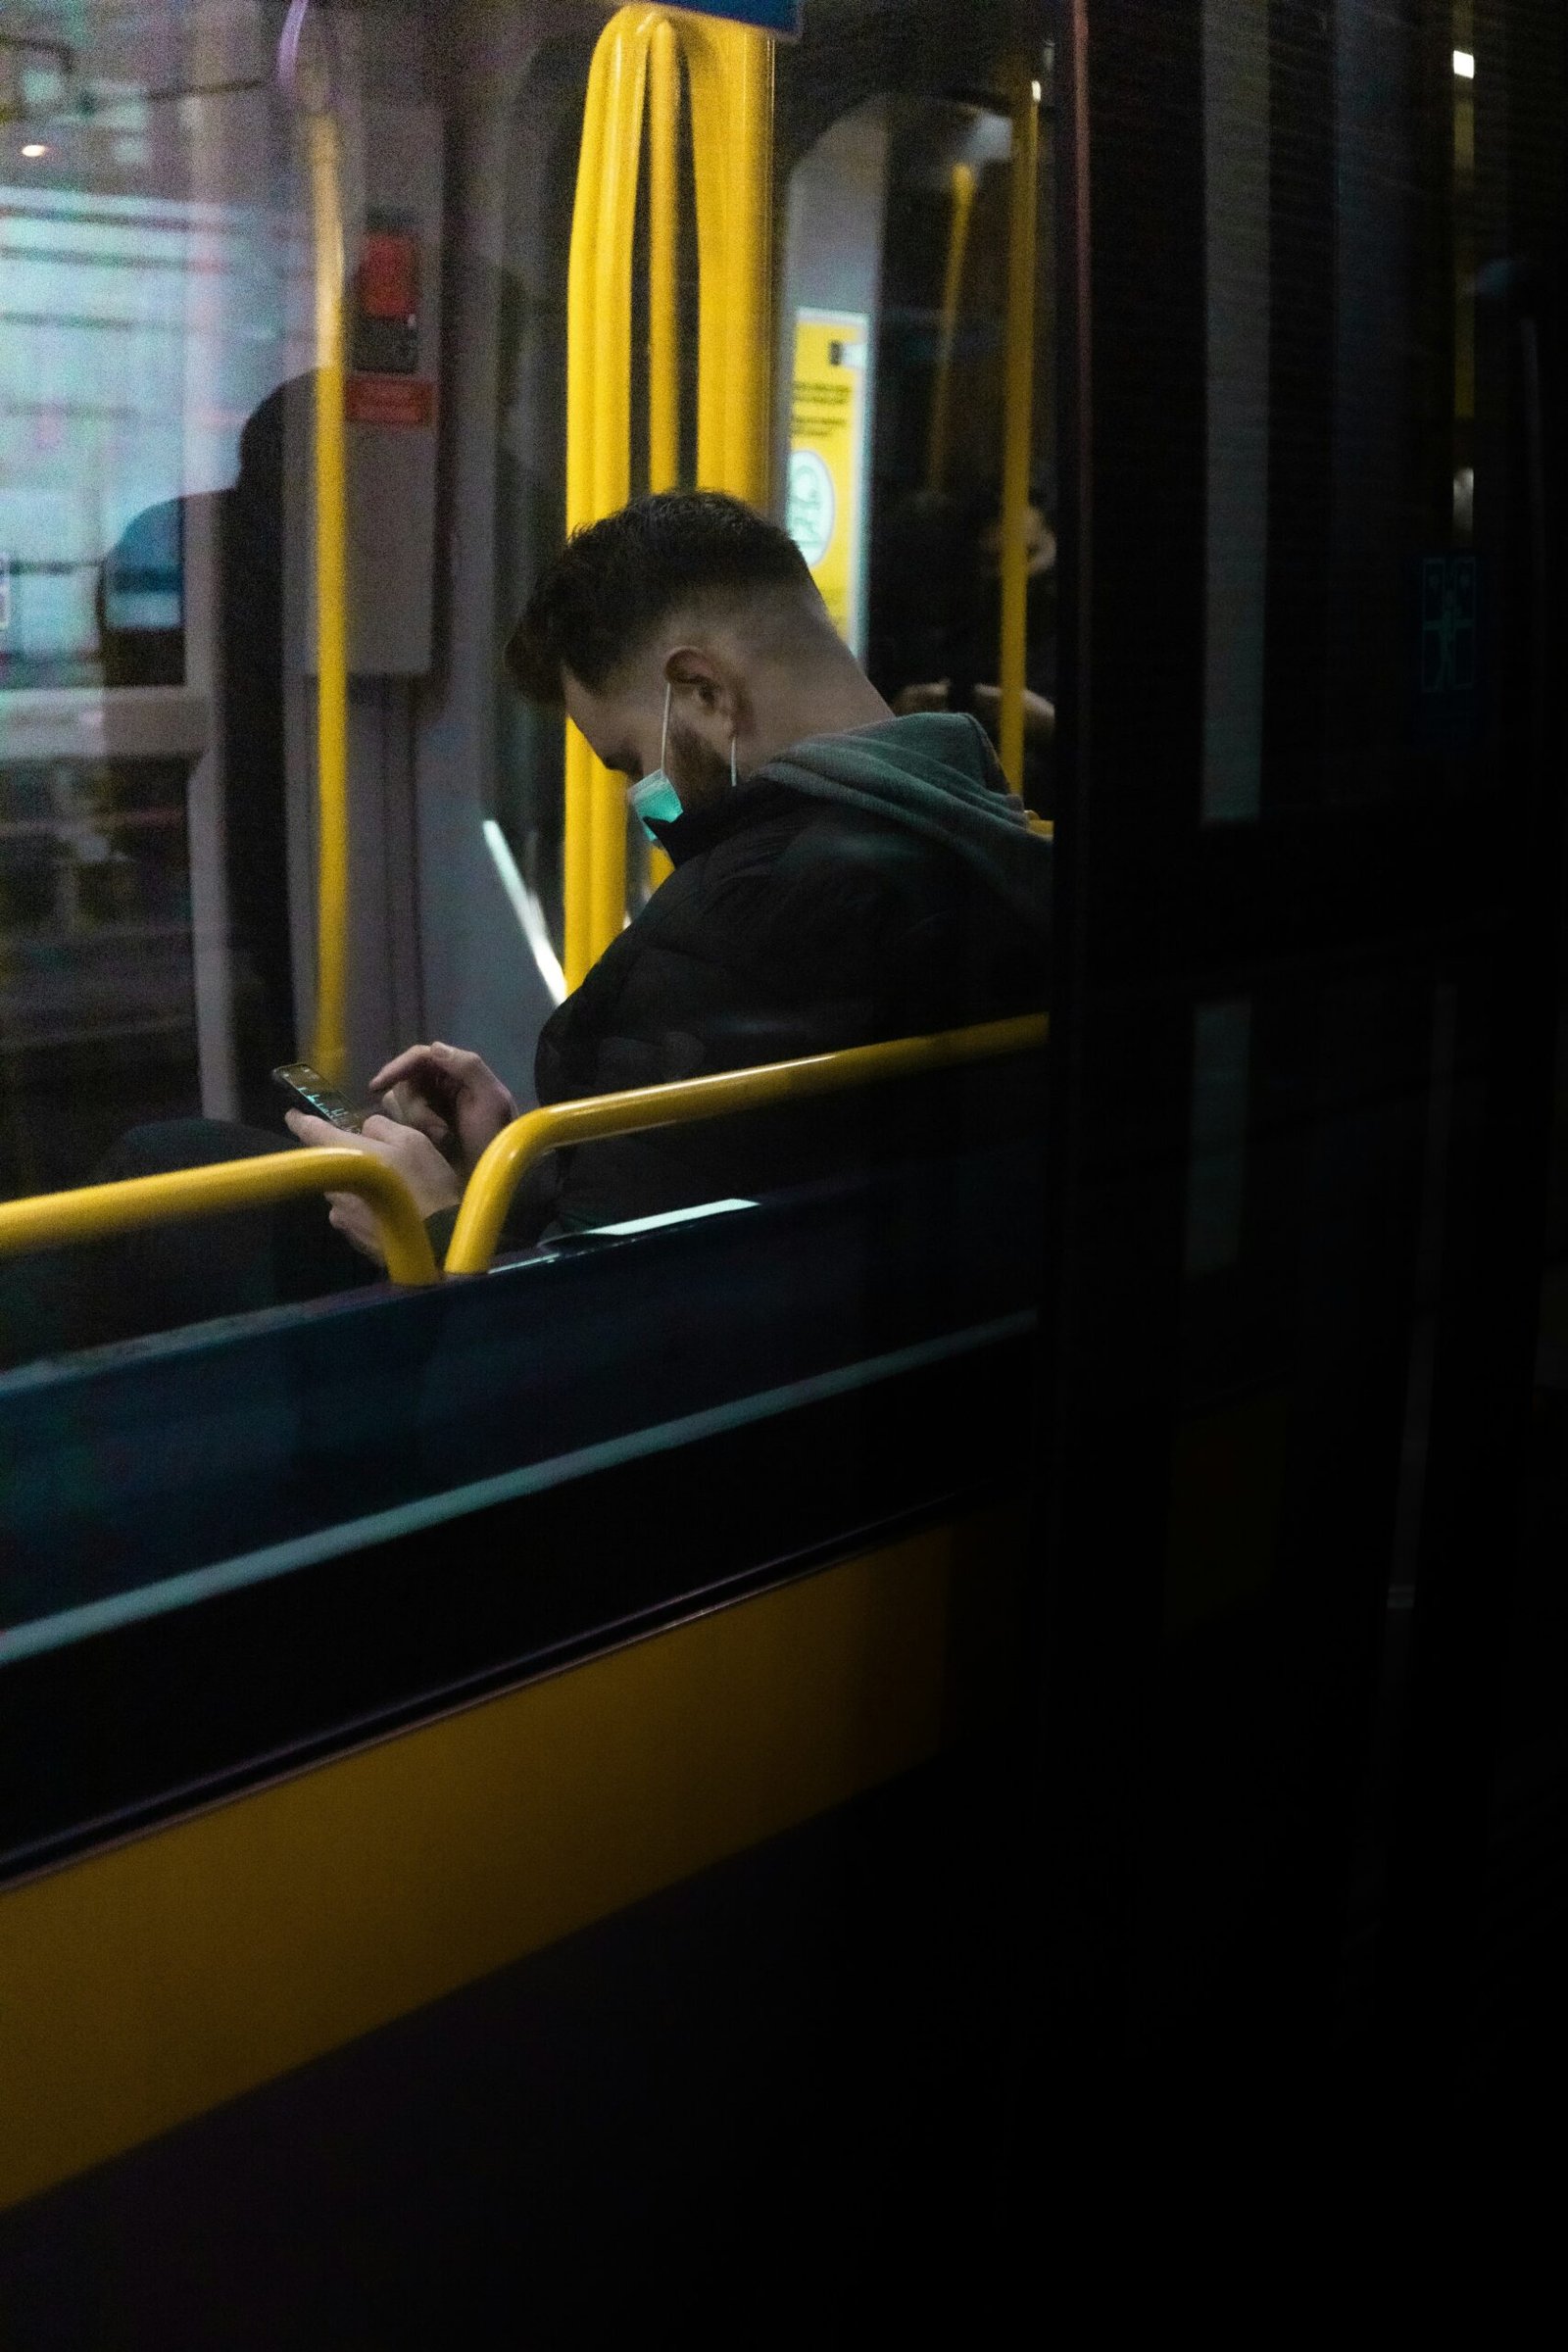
{"points": [[1035, 86], [1464, 65], [33, 149]]}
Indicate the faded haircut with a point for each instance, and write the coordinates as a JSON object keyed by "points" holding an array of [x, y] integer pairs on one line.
{"points": [[606, 594]]}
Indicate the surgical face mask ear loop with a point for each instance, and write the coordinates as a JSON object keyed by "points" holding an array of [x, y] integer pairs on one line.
{"points": [[655, 798]]}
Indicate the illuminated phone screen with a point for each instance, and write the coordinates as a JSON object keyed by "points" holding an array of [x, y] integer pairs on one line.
{"points": [[310, 1091]]}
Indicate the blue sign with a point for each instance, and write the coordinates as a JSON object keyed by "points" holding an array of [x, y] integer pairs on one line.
{"points": [[773, 16]]}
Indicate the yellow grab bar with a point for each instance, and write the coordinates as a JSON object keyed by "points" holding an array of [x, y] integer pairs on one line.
{"points": [[664, 322], [1019, 428], [51, 1220], [598, 435], [711, 167], [663, 290], [740, 121], [624, 86], [583, 772], [330, 1051], [515, 1150], [730, 72], [962, 186]]}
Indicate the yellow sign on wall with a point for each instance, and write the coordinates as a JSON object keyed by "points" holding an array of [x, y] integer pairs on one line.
{"points": [[825, 514]]}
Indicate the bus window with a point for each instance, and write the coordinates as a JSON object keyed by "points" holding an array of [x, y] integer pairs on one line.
{"points": [[269, 791]]}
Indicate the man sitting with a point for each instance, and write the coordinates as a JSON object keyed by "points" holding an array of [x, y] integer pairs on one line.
{"points": [[841, 877]]}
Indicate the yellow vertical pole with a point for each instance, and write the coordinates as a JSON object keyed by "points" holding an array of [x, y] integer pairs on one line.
{"points": [[330, 1051], [748, 273], [711, 164], [1018, 424], [731, 72], [962, 185], [620, 164], [663, 315], [581, 768], [664, 329], [730, 69]]}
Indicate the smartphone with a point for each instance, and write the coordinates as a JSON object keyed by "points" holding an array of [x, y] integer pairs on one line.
{"points": [[308, 1090]]}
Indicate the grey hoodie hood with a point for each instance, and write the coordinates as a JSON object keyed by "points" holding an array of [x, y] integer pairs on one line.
{"points": [[936, 773]]}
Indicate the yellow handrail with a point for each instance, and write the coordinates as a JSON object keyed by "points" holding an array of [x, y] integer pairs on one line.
{"points": [[96, 1212], [730, 72], [582, 770], [663, 292], [598, 431], [962, 186], [663, 321], [515, 1150], [1019, 424], [710, 169], [330, 1051]]}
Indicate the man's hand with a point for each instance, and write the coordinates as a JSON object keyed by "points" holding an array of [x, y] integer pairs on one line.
{"points": [[412, 1154], [443, 1091]]}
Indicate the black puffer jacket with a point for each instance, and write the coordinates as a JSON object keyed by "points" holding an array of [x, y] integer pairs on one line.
{"points": [[865, 886]]}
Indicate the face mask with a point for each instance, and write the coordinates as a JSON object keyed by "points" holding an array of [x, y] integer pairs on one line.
{"points": [[655, 798]]}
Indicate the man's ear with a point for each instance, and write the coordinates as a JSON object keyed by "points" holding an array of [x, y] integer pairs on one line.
{"points": [[706, 678]]}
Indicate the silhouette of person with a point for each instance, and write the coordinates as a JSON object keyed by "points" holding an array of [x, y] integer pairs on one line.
{"points": [[142, 644], [937, 628]]}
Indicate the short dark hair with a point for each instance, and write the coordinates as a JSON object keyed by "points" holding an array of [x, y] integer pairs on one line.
{"points": [[615, 581]]}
